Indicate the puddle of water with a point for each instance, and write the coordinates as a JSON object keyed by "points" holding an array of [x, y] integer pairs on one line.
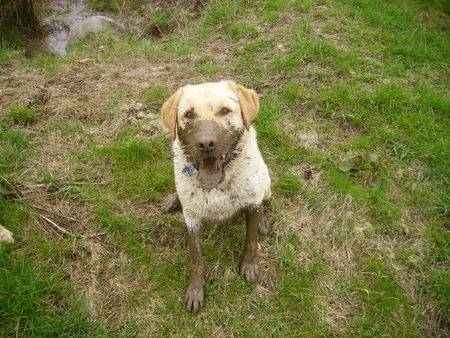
{"points": [[64, 14]]}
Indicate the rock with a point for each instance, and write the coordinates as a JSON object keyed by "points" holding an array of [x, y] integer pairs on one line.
{"points": [[92, 24], [6, 235]]}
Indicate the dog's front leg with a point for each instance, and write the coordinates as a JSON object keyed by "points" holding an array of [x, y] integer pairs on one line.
{"points": [[249, 265], [195, 298]]}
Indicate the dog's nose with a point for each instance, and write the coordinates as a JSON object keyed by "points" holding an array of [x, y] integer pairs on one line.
{"points": [[206, 143]]}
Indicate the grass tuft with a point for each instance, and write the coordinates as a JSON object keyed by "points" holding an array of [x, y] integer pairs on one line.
{"points": [[238, 31], [39, 302], [22, 115], [157, 94]]}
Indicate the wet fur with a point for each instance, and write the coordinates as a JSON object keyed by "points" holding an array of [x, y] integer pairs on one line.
{"points": [[245, 181]]}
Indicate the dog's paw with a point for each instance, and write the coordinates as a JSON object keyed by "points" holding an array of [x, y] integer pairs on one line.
{"points": [[264, 225], [195, 297], [249, 270], [171, 203], [6, 235]]}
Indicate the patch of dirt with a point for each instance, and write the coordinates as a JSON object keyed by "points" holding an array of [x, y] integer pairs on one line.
{"points": [[155, 18], [36, 95]]}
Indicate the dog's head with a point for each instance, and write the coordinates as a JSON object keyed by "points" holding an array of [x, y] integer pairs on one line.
{"points": [[209, 120]]}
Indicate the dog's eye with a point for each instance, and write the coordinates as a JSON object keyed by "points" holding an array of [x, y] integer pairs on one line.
{"points": [[189, 114], [224, 111]]}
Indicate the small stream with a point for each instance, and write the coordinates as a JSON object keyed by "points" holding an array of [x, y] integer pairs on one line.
{"points": [[63, 15]]}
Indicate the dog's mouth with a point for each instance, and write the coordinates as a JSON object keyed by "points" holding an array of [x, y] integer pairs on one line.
{"points": [[211, 170], [209, 149]]}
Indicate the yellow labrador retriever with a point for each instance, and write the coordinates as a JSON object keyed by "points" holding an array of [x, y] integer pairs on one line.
{"points": [[218, 167]]}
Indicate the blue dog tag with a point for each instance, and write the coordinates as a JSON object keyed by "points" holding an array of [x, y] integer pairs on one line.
{"points": [[187, 171]]}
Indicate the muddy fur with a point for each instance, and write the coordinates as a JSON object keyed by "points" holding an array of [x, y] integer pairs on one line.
{"points": [[246, 179], [219, 170], [246, 183]]}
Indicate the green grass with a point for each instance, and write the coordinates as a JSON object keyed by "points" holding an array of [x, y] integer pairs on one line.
{"points": [[34, 300], [38, 303], [141, 169], [8, 54], [157, 94], [161, 20], [51, 63], [14, 151], [238, 31], [21, 115], [15, 145], [381, 299], [353, 126]]}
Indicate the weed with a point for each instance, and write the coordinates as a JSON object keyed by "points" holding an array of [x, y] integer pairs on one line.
{"points": [[22, 115], [177, 46], [142, 169], [221, 12], [275, 5], [66, 128], [289, 185], [302, 6], [7, 55], [14, 145], [258, 46], [49, 62], [436, 286], [439, 251], [379, 295], [270, 135], [295, 92], [160, 23], [33, 301]]}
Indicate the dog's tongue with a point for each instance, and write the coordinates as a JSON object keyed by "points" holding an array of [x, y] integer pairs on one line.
{"points": [[210, 173]]}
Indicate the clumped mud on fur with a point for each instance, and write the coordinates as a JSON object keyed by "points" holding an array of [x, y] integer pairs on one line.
{"points": [[210, 165], [189, 135]]}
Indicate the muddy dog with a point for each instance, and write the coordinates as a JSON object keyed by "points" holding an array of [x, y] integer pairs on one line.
{"points": [[218, 168]]}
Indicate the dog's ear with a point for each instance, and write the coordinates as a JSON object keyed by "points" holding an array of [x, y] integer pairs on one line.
{"points": [[249, 102], [169, 113]]}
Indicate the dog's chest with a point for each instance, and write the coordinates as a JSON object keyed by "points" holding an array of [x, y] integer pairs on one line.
{"points": [[220, 203], [246, 184]]}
